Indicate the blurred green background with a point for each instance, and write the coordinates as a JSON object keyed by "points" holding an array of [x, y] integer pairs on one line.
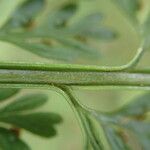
{"points": [[115, 52]]}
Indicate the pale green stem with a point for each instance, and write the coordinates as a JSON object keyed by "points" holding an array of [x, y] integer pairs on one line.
{"points": [[81, 112], [133, 63], [74, 77]]}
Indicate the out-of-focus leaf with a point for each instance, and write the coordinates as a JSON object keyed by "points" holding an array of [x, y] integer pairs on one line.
{"points": [[90, 26], [88, 21], [27, 102], [6, 93], [130, 7], [9, 141], [55, 37], [68, 50], [59, 18], [99, 33], [113, 137], [115, 140], [24, 14], [37, 123], [142, 132], [131, 118], [146, 32], [137, 107]]}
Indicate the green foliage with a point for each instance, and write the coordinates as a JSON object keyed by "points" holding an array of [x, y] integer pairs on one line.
{"points": [[114, 139], [28, 102], [137, 107], [129, 7], [6, 93], [10, 141], [56, 36], [37, 123], [90, 26], [121, 125], [23, 16], [146, 31], [19, 114]]}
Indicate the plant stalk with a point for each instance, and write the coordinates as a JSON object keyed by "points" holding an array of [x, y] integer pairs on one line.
{"points": [[72, 76]]}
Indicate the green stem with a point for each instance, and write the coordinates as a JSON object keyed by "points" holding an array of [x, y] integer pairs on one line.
{"points": [[77, 108], [133, 63], [82, 112], [71, 76]]}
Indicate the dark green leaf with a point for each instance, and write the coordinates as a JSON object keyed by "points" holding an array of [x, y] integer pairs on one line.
{"points": [[27, 102], [9, 141], [37, 123], [25, 13], [6, 93]]}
